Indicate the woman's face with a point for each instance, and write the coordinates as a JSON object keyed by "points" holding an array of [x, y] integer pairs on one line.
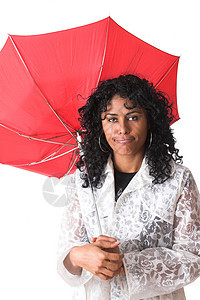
{"points": [[125, 129]]}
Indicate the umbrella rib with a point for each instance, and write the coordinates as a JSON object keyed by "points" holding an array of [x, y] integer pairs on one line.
{"points": [[37, 139], [18, 53], [166, 73], [104, 54], [46, 159], [54, 153]]}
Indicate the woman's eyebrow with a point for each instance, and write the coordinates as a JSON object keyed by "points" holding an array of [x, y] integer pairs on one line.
{"points": [[130, 112], [110, 114], [134, 111]]}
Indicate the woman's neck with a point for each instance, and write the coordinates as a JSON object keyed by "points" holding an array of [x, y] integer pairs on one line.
{"points": [[127, 163]]}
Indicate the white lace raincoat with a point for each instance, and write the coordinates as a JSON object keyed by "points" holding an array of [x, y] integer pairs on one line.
{"points": [[158, 227]]}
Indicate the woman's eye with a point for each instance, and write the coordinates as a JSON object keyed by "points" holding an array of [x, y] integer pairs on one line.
{"points": [[133, 118], [112, 120]]}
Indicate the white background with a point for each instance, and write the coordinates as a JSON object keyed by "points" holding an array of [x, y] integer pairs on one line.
{"points": [[29, 226]]}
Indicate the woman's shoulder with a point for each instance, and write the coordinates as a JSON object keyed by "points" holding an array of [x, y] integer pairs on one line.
{"points": [[162, 197], [184, 178], [181, 172]]}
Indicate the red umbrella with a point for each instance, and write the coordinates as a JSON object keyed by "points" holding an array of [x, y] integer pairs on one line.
{"points": [[45, 78]]}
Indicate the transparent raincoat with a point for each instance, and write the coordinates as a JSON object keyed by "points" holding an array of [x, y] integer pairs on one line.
{"points": [[158, 226]]}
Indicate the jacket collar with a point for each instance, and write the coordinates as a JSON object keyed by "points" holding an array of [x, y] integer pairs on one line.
{"points": [[140, 179]]}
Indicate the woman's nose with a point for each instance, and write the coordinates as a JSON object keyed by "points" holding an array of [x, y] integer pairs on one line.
{"points": [[123, 127]]}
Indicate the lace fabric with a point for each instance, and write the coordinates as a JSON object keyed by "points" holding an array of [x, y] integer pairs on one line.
{"points": [[158, 227]]}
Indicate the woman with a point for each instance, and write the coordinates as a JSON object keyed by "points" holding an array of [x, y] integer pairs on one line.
{"points": [[148, 204]]}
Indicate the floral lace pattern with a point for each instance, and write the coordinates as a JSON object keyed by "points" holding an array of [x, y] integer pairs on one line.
{"points": [[158, 227]]}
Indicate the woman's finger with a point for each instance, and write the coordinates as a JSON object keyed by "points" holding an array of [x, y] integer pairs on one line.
{"points": [[106, 244], [109, 273], [93, 239], [106, 238], [114, 266]]}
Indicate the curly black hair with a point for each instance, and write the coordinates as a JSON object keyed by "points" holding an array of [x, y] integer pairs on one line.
{"points": [[159, 113]]}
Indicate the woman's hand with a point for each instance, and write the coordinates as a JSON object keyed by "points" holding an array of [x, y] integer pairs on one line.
{"points": [[109, 239], [114, 249], [95, 259]]}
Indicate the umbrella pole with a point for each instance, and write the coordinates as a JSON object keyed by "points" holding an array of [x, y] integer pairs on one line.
{"points": [[126, 296], [90, 185]]}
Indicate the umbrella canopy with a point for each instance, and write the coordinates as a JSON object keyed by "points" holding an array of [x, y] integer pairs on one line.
{"points": [[45, 78]]}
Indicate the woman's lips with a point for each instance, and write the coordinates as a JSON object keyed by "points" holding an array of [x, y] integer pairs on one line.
{"points": [[124, 141]]}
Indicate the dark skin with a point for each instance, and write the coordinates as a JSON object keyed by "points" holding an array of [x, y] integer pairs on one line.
{"points": [[101, 258], [126, 133]]}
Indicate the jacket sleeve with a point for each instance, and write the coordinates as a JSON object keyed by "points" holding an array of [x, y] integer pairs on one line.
{"points": [[73, 233], [158, 271]]}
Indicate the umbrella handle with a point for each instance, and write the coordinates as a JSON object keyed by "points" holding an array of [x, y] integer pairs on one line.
{"points": [[96, 210], [81, 152]]}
